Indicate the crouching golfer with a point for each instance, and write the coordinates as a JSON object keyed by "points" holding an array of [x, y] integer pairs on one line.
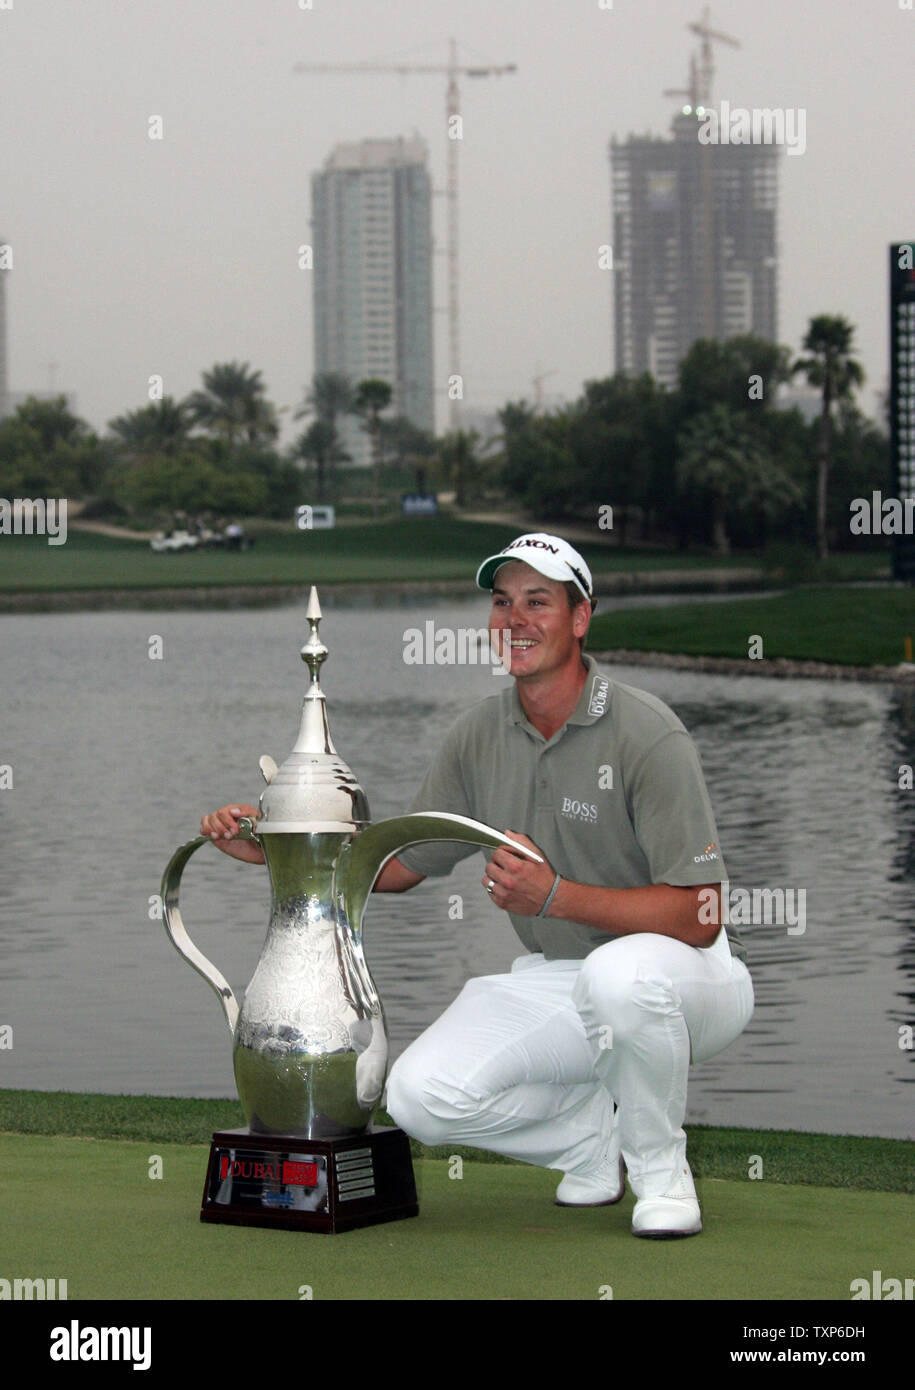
{"points": [[577, 1059]]}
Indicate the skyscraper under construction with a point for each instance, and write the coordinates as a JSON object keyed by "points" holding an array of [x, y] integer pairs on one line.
{"points": [[695, 251], [694, 244]]}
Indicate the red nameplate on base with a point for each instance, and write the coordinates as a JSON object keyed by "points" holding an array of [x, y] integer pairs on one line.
{"points": [[329, 1185]]}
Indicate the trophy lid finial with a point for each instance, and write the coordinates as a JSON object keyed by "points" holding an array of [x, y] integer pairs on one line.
{"points": [[313, 788], [314, 652]]}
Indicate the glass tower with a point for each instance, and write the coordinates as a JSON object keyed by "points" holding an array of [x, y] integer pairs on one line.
{"points": [[372, 239]]}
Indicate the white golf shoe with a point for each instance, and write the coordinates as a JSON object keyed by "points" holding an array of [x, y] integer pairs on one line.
{"points": [[675, 1213], [598, 1190]]}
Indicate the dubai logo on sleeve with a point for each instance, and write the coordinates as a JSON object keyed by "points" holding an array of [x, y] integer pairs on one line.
{"points": [[600, 688]]}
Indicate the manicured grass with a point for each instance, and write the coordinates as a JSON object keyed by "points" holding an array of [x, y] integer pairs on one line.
{"points": [[88, 1211], [852, 626], [826, 1160], [789, 567], [439, 548], [93, 1115]]}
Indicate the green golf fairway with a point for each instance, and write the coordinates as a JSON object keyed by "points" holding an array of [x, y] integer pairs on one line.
{"points": [[86, 1210], [399, 549]]}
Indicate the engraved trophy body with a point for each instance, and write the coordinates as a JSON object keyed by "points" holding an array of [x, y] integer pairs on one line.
{"points": [[310, 1045]]}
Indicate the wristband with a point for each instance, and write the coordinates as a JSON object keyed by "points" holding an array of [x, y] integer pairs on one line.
{"points": [[549, 897]]}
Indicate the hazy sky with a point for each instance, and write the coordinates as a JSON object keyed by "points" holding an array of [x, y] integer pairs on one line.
{"points": [[136, 256]]}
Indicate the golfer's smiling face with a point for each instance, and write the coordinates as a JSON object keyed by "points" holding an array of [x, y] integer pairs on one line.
{"points": [[535, 614]]}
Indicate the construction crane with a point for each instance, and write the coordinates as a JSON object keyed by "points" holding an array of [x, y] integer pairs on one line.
{"points": [[692, 91], [453, 70], [699, 96], [707, 69], [699, 90]]}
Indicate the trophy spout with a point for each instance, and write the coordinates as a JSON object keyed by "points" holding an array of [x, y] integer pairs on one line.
{"points": [[362, 859]]}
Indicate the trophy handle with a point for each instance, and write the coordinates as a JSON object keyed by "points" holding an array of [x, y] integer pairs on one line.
{"points": [[177, 933]]}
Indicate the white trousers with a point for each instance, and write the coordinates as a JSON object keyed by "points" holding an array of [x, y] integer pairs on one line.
{"points": [[529, 1064]]}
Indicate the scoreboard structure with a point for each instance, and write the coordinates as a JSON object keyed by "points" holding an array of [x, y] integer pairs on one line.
{"points": [[902, 395]]}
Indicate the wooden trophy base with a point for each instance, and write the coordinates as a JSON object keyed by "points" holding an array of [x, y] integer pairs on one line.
{"points": [[298, 1184]]}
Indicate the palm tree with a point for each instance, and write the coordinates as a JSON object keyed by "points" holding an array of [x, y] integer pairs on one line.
{"points": [[233, 405], [457, 454], [331, 395], [831, 367], [720, 455], [408, 446], [318, 444], [158, 428], [372, 397]]}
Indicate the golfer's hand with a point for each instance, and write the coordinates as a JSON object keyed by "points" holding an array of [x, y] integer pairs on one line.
{"points": [[521, 886], [222, 828]]}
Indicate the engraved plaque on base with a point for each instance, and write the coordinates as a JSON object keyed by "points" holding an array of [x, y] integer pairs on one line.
{"points": [[330, 1185]]}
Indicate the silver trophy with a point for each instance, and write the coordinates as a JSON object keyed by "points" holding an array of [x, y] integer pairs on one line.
{"points": [[310, 1045]]}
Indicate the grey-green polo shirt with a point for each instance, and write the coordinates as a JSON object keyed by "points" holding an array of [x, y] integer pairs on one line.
{"points": [[615, 798]]}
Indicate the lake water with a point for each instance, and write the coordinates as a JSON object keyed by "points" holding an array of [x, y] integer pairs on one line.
{"points": [[116, 756]]}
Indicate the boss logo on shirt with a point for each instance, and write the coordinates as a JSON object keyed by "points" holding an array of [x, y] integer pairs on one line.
{"points": [[579, 810], [599, 690]]}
